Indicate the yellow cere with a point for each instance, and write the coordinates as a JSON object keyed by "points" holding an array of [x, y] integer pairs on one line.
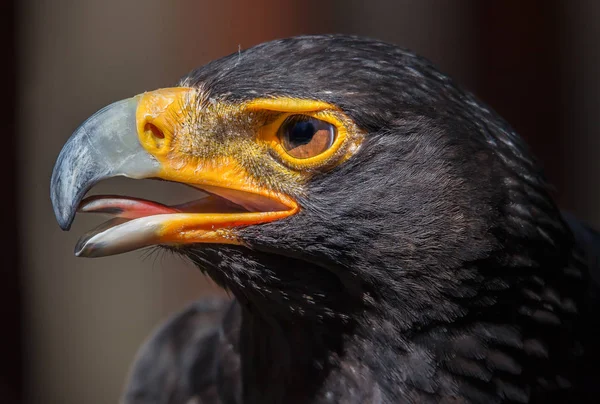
{"points": [[157, 116]]}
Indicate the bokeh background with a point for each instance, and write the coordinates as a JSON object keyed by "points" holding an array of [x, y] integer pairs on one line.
{"points": [[71, 327]]}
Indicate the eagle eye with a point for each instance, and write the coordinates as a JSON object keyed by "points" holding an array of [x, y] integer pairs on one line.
{"points": [[303, 136]]}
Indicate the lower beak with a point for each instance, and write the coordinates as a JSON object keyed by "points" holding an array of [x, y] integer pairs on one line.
{"points": [[130, 138]]}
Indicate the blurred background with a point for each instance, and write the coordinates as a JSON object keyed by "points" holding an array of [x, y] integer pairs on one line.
{"points": [[71, 327]]}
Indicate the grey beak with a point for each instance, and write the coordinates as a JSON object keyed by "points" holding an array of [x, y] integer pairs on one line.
{"points": [[104, 146]]}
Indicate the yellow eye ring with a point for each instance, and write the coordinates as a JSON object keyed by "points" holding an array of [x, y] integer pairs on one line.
{"points": [[345, 142], [272, 135]]}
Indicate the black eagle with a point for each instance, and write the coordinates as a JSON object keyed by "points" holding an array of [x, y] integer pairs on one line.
{"points": [[387, 237]]}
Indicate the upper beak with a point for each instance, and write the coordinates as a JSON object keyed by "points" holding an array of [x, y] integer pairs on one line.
{"points": [[104, 146], [135, 138]]}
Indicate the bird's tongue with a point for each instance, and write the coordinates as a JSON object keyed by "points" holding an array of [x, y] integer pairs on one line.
{"points": [[132, 208], [125, 207]]}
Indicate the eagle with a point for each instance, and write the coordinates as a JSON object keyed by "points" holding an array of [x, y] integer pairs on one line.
{"points": [[384, 235]]}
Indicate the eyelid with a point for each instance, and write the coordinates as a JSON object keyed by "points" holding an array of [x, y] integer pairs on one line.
{"points": [[288, 105]]}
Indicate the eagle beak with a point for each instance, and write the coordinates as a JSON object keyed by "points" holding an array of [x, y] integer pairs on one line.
{"points": [[137, 138]]}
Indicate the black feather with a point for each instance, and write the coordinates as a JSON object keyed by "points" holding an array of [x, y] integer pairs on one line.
{"points": [[432, 266]]}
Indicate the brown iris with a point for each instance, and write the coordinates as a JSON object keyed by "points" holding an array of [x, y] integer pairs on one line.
{"points": [[303, 136]]}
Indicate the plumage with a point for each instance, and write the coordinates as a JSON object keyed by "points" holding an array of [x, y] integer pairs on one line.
{"points": [[430, 266], [193, 356]]}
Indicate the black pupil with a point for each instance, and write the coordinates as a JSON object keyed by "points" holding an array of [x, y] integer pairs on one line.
{"points": [[301, 132]]}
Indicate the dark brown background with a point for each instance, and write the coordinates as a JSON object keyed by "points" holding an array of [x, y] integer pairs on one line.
{"points": [[71, 326]]}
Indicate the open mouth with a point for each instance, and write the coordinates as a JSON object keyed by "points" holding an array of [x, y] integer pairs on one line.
{"points": [[137, 222], [134, 138]]}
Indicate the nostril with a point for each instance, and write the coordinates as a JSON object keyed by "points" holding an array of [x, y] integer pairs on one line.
{"points": [[157, 133]]}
